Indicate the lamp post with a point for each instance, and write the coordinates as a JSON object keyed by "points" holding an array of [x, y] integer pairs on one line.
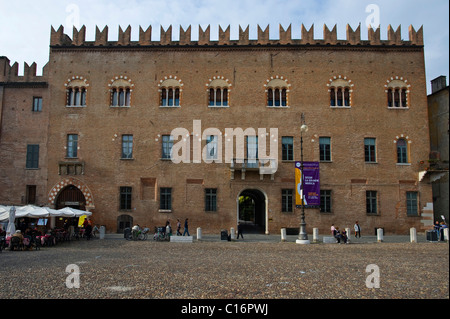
{"points": [[302, 236]]}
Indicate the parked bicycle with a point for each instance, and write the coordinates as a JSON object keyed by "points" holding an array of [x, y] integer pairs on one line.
{"points": [[136, 234], [160, 234]]}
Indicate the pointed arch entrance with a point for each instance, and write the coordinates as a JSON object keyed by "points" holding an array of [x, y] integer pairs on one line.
{"points": [[57, 189], [71, 196], [252, 209]]}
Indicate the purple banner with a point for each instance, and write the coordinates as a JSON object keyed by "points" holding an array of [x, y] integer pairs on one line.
{"points": [[311, 186]]}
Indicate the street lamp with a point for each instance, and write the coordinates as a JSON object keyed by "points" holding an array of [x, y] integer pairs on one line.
{"points": [[302, 236]]}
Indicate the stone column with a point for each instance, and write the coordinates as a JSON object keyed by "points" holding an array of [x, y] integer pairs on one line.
{"points": [[232, 233], [413, 235], [315, 235], [380, 234], [283, 234]]}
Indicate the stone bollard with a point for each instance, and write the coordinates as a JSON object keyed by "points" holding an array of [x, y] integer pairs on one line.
{"points": [[349, 234], [446, 234], [199, 233], [315, 235], [283, 234], [380, 235], [232, 233], [102, 232], [413, 235]]}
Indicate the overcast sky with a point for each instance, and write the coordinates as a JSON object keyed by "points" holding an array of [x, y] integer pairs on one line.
{"points": [[25, 24]]}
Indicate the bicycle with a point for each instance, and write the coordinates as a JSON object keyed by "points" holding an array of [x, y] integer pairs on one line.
{"points": [[141, 234], [160, 234]]}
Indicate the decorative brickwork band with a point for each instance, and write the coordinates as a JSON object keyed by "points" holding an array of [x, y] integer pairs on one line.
{"points": [[353, 37], [54, 192]]}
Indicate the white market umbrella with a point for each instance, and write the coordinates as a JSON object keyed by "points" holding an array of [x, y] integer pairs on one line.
{"points": [[11, 229], [20, 211], [4, 214], [75, 212], [39, 212]]}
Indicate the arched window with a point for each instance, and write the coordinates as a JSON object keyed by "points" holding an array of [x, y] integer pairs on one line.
{"points": [[218, 92], [340, 90], [397, 93], [76, 91], [277, 90], [120, 90], [170, 91], [403, 149]]}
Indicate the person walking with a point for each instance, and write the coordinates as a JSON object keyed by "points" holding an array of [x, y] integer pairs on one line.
{"points": [[178, 227], [239, 229], [186, 227], [357, 230]]}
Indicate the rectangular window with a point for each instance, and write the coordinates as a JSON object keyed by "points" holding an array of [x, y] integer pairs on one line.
{"points": [[325, 201], [167, 144], [252, 151], [287, 148], [370, 150], [72, 145], [332, 97], [37, 104], [32, 156], [210, 199], [325, 149], [371, 202], [411, 204], [212, 147], [127, 146], [218, 97], [31, 194], [125, 197], [402, 151], [165, 198], [286, 200], [170, 97]]}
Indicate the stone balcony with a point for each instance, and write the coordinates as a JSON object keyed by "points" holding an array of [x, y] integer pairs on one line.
{"points": [[263, 167]]}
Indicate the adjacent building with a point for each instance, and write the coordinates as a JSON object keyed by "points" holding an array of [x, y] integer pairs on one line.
{"points": [[437, 165]]}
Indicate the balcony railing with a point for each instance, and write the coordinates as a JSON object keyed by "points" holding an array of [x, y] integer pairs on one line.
{"points": [[263, 166]]}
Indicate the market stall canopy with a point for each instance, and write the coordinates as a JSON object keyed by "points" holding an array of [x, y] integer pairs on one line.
{"points": [[41, 212], [72, 212]]}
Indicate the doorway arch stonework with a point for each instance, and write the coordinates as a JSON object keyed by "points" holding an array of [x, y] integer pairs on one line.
{"points": [[54, 192]]}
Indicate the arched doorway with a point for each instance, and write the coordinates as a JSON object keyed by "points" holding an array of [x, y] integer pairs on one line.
{"points": [[70, 196], [252, 211]]}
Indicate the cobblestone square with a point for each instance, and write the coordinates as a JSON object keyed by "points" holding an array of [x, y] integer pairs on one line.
{"points": [[213, 269]]}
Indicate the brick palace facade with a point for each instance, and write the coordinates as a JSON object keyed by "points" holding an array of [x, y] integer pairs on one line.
{"points": [[94, 131]]}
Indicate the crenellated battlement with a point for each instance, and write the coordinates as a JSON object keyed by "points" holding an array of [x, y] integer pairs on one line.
{"points": [[353, 37], [10, 73]]}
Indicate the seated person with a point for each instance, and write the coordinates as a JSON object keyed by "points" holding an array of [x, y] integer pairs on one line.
{"points": [[135, 231], [337, 234], [18, 233]]}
